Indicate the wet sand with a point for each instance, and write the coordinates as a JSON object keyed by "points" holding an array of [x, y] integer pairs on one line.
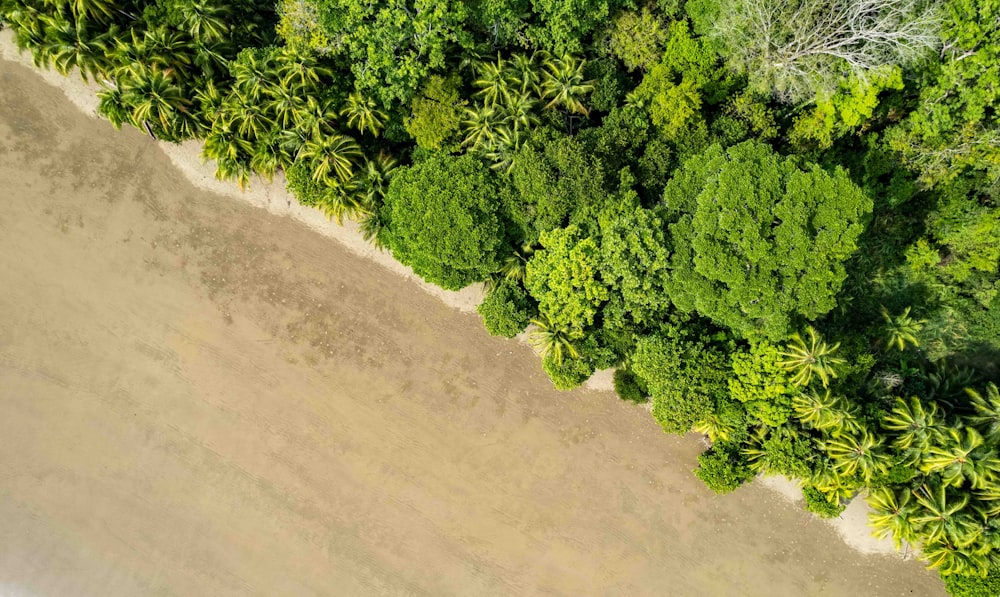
{"points": [[200, 398]]}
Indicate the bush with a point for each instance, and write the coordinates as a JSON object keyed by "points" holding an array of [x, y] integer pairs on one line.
{"points": [[973, 586], [442, 220], [506, 310], [569, 373], [818, 504], [629, 387], [723, 468]]}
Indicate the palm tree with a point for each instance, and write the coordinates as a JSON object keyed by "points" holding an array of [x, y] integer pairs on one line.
{"points": [[915, 426], [71, 43], [155, 96], [714, 427], [286, 105], [316, 118], [819, 412], [253, 73], [492, 82], [371, 182], [96, 10], [502, 148], [522, 74], [962, 457], [949, 558], [267, 156], [859, 454], [902, 329], [946, 383], [29, 29], [331, 155], [168, 49], [206, 21], [943, 517], [373, 225], [989, 501], [231, 151], [133, 54], [828, 481], [363, 114], [519, 112], [513, 267], [211, 102], [301, 71], [481, 125], [112, 106], [563, 83], [340, 201], [251, 118], [816, 357], [892, 515], [557, 341], [987, 412]]}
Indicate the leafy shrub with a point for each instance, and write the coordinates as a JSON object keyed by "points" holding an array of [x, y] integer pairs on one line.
{"points": [[629, 387], [974, 586], [818, 504], [723, 468], [506, 310], [568, 373]]}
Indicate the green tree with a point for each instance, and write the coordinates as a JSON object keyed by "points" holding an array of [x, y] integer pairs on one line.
{"points": [[637, 38], [436, 114], [956, 126], [391, 46], [562, 25], [974, 585], [634, 257], [761, 383], [443, 220], [723, 468], [506, 310], [685, 378], [555, 181], [564, 277], [759, 239]]}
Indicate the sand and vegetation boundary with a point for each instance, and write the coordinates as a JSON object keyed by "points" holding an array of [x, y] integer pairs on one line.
{"points": [[752, 221]]}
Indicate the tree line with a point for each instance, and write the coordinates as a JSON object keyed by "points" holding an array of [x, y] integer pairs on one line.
{"points": [[778, 221]]}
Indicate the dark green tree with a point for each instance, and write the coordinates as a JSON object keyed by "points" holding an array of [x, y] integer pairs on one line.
{"points": [[443, 220]]}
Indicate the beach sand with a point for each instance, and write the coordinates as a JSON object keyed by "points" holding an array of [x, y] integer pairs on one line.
{"points": [[200, 398]]}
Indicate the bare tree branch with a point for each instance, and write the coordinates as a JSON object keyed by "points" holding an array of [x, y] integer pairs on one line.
{"points": [[797, 48]]}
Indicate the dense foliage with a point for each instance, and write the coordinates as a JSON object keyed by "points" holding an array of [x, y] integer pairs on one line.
{"points": [[780, 221]]}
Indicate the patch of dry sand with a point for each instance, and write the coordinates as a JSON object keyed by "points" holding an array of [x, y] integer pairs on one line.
{"points": [[201, 399]]}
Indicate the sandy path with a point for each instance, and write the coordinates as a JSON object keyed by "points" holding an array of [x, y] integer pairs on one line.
{"points": [[197, 398]]}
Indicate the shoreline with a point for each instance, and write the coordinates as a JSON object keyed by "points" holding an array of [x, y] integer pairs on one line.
{"points": [[273, 197]]}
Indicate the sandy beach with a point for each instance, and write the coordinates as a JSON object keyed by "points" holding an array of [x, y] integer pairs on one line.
{"points": [[204, 398]]}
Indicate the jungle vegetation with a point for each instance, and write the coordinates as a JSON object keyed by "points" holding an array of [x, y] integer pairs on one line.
{"points": [[779, 220]]}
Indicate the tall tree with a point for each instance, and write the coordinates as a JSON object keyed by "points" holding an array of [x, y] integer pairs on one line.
{"points": [[443, 220], [759, 239]]}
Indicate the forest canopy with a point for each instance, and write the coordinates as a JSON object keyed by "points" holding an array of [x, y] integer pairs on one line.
{"points": [[778, 221]]}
